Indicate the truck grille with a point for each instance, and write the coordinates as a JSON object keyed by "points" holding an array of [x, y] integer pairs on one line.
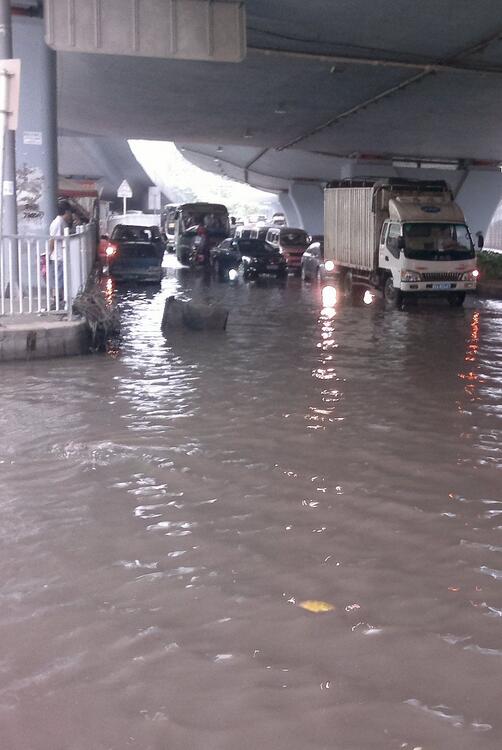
{"points": [[442, 276]]}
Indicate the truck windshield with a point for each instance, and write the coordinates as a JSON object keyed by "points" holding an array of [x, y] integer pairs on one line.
{"points": [[426, 241]]}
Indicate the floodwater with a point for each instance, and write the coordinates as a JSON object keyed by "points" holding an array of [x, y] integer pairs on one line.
{"points": [[166, 508]]}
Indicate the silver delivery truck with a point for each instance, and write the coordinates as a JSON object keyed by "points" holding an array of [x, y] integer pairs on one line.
{"points": [[405, 237]]}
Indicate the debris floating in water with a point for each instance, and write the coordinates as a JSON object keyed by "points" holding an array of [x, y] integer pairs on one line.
{"points": [[312, 605]]}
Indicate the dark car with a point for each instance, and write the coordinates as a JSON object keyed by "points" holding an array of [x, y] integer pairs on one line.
{"points": [[258, 257], [226, 257], [314, 266], [135, 253], [313, 260]]}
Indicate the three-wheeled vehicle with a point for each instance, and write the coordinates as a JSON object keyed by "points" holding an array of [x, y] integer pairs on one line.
{"points": [[197, 228]]}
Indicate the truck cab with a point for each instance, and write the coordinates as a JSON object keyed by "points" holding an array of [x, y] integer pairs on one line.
{"points": [[425, 247]]}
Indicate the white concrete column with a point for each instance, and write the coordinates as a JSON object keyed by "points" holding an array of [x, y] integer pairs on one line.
{"points": [[478, 197], [292, 216], [308, 200]]}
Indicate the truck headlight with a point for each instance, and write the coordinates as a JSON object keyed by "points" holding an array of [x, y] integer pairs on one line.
{"points": [[470, 275], [329, 265], [410, 276]]}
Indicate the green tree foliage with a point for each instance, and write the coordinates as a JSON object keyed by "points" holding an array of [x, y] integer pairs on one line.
{"points": [[490, 264]]}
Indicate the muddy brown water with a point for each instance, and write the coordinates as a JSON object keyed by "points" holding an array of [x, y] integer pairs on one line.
{"points": [[167, 507]]}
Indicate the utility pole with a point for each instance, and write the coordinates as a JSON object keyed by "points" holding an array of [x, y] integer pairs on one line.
{"points": [[9, 178]]}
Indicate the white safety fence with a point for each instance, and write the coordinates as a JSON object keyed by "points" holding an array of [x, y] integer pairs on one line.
{"points": [[40, 275]]}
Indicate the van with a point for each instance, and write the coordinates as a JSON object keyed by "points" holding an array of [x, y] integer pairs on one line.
{"points": [[243, 232], [291, 243], [259, 233]]}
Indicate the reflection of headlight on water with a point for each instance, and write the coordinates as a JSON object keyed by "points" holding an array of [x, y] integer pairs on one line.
{"points": [[109, 290], [232, 274], [329, 296], [368, 297], [328, 312]]}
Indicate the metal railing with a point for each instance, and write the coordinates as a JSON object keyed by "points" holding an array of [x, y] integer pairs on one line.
{"points": [[43, 274]]}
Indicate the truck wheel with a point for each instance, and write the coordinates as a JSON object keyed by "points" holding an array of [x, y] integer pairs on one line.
{"points": [[456, 299], [392, 295]]}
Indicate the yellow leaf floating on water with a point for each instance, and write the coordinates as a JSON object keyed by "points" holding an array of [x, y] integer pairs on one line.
{"points": [[311, 605]]}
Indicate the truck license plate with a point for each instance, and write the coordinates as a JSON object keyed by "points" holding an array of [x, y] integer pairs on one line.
{"points": [[442, 285]]}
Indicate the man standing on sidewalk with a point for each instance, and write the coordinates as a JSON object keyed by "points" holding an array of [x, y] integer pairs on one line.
{"points": [[62, 221]]}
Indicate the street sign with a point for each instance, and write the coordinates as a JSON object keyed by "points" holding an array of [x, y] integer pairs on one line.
{"points": [[154, 198], [124, 190]]}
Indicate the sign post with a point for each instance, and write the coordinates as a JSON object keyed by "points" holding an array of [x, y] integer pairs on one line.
{"points": [[9, 106], [124, 192]]}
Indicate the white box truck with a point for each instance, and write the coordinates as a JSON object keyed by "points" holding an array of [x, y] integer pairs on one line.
{"points": [[405, 237]]}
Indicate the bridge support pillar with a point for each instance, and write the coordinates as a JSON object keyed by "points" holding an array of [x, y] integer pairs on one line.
{"points": [[36, 137], [289, 209], [478, 195], [306, 206]]}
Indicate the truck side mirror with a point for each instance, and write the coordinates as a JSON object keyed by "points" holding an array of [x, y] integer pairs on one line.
{"points": [[401, 243], [481, 241]]}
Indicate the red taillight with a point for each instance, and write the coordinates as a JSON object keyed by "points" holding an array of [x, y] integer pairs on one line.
{"points": [[111, 251]]}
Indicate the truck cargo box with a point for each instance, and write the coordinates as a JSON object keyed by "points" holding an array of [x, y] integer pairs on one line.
{"points": [[349, 227]]}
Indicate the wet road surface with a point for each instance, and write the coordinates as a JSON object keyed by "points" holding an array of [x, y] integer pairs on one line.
{"points": [[167, 507]]}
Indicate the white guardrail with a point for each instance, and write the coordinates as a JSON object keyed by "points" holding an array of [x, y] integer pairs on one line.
{"points": [[29, 279]]}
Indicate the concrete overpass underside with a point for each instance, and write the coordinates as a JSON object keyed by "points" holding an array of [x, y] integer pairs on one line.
{"points": [[327, 89]]}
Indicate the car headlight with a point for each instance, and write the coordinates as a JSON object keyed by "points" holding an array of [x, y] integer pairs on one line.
{"points": [[329, 265], [410, 276], [470, 275]]}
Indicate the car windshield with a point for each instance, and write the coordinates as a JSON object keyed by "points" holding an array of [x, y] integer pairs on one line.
{"points": [[437, 241], [123, 233], [296, 238], [253, 247]]}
